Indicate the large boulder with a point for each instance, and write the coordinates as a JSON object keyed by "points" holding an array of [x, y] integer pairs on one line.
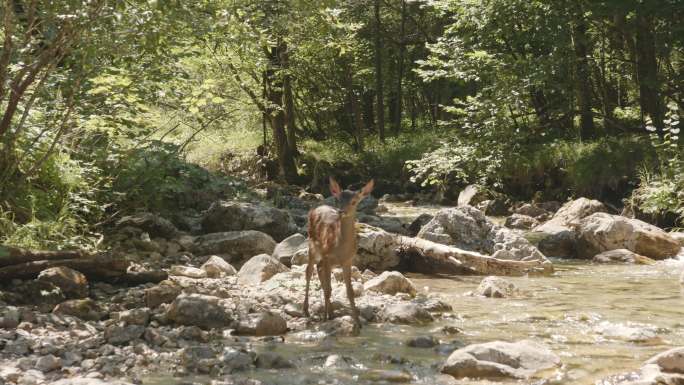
{"points": [[601, 232], [376, 249], [152, 224], [521, 360], [259, 269], [391, 282], [521, 222], [666, 368], [496, 287], [289, 246], [557, 237], [234, 246], [85, 309], [366, 206], [679, 236], [235, 216], [217, 267], [406, 313], [467, 228], [200, 310], [72, 283], [165, 292]]}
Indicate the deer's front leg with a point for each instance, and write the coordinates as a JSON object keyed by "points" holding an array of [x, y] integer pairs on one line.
{"points": [[324, 277], [346, 273]]}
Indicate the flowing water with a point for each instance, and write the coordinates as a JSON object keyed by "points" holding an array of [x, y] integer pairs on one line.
{"points": [[600, 319]]}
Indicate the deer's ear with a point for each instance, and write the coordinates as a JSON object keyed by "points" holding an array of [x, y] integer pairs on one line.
{"points": [[366, 190], [335, 189]]}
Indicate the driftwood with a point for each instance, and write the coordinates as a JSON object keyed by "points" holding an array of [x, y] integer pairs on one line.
{"points": [[24, 264], [470, 261], [10, 256]]}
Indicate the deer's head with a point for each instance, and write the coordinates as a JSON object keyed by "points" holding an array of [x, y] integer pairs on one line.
{"points": [[348, 199]]}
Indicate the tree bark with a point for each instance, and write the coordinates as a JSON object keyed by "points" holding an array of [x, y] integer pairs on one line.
{"points": [[276, 111], [288, 101], [581, 46], [647, 69], [378, 74], [396, 118]]}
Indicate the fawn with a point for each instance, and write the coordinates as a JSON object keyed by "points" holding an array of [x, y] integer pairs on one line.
{"points": [[332, 242]]}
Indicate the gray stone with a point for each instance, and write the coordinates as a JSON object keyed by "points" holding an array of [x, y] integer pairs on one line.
{"points": [[423, 342], [471, 195], [85, 309], [531, 210], [234, 246], [200, 310], [139, 316], [187, 271], [262, 324], [217, 267], [406, 313], [497, 359], [164, 292], [234, 360], [496, 287], [72, 283], [622, 256], [340, 327], [288, 247], [521, 222], [152, 224], [602, 232], [48, 363], [271, 360], [237, 216], [418, 224], [390, 282], [259, 269], [9, 317], [119, 335]]}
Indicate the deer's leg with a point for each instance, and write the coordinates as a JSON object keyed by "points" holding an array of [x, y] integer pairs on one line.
{"points": [[324, 276], [346, 273], [309, 272]]}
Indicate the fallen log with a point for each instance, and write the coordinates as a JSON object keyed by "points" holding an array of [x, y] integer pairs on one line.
{"points": [[10, 256], [100, 267], [392, 250], [471, 261]]}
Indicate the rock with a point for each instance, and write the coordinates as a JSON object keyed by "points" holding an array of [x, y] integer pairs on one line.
{"points": [[138, 316], [495, 287], [72, 283], [164, 292], [290, 246], [497, 207], [418, 224], [467, 228], [380, 376], [85, 309], [217, 267], [271, 360], [200, 358], [406, 313], [119, 335], [670, 361], [557, 236], [234, 246], [603, 232], [152, 224], [9, 317], [531, 210], [471, 195], [237, 216], [262, 324], [259, 269], [48, 363], [522, 359], [366, 206], [622, 256], [520, 221], [376, 249], [205, 311], [389, 224], [679, 237], [628, 332], [423, 342], [340, 327], [187, 271], [41, 293], [234, 360], [336, 361], [88, 381], [391, 282]]}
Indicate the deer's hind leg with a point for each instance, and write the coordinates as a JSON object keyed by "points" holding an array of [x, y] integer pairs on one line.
{"points": [[346, 273], [324, 277], [309, 273]]}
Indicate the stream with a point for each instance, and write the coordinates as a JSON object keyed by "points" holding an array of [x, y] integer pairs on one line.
{"points": [[600, 319]]}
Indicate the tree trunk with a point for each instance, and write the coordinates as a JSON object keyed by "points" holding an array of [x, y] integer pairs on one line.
{"points": [[396, 118], [378, 74], [288, 101], [647, 70], [581, 46], [276, 111], [357, 119]]}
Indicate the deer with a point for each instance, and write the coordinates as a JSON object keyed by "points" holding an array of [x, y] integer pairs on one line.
{"points": [[333, 242]]}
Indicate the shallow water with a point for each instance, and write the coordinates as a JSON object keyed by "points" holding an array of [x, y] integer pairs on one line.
{"points": [[600, 319]]}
